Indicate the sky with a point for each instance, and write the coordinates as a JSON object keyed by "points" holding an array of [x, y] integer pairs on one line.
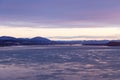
{"points": [[61, 19]]}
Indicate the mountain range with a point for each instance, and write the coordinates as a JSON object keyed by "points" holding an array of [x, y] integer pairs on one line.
{"points": [[9, 41]]}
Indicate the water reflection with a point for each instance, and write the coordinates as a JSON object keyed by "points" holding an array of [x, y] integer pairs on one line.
{"points": [[59, 63]]}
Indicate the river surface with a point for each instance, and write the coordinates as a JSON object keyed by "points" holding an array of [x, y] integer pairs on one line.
{"points": [[60, 62]]}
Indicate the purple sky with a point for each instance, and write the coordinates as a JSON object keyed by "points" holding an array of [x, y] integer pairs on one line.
{"points": [[52, 15], [60, 13]]}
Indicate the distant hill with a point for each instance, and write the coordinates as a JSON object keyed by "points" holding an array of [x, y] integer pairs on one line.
{"points": [[102, 42], [9, 41], [95, 42], [113, 43], [40, 39], [3, 38]]}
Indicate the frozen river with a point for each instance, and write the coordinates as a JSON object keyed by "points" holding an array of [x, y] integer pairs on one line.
{"points": [[60, 62]]}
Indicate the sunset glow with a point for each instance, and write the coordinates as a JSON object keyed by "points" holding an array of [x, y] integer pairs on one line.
{"points": [[63, 33], [60, 19]]}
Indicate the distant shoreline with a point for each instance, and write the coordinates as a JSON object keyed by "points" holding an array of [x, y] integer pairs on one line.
{"points": [[12, 41]]}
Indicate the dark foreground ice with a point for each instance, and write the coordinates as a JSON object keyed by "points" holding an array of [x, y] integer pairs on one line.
{"points": [[60, 63]]}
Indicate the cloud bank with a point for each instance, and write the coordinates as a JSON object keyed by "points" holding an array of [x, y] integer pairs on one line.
{"points": [[60, 13]]}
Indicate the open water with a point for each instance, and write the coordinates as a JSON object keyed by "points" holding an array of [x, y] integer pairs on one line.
{"points": [[60, 62]]}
